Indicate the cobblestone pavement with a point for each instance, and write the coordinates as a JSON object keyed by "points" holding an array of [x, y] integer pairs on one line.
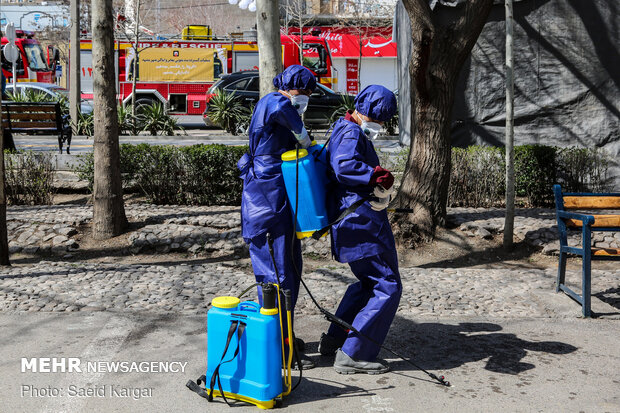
{"points": [[66, 287], [217, 229]]}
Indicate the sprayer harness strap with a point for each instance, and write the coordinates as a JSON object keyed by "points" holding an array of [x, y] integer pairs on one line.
{"points": [[239, 327], [216, 373], [319, 233]]}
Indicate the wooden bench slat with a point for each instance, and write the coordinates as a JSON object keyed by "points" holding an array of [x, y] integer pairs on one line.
{"points": [[606, 221], [34, 125], [39, 107], [28, 116], [606, 252], [592, 202]]}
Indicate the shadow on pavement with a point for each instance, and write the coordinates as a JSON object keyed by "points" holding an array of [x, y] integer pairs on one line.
{"points": [[610, 296], [436, 346], [323, 389]]}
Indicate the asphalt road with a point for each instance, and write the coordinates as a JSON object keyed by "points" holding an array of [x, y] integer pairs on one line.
{"points": [[82, 144], [546, 365], [195, 133]]}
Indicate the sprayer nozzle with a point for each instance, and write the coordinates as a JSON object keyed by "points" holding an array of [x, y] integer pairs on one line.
{"points": [[288, 300], [269, 296]]}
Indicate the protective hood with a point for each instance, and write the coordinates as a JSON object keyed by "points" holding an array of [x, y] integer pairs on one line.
{"points": [[295, 77], [376, 102]]}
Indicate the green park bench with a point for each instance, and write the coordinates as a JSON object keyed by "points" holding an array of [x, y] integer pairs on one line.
{"points": [[37, 118], [565, 205]]}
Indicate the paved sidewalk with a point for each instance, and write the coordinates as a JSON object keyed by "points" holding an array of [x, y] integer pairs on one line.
{"points": [[505, 365], [501, 335]]}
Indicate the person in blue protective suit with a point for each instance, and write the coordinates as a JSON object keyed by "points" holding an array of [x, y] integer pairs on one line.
{"points": [[276, 127], [363, 239]]}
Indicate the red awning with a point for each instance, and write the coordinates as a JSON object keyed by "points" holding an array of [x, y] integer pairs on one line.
{"points": [[344, 41], [347, 45]]}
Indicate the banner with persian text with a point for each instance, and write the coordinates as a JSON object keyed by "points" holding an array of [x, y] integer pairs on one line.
{"points": [[177, 65]]}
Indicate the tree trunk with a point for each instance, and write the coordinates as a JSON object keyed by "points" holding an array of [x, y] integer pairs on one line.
{"points": [[442, 40], [269, 45], [4, 243], [109, 217]]}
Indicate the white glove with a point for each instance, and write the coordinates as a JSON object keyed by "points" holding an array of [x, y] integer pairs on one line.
{"points": [[303, 138], [379, 204], [381, 192], [382, 199]]}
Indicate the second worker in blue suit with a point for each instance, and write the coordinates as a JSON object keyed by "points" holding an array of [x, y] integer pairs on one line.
{"points": [[276, 127], [363, 239]]}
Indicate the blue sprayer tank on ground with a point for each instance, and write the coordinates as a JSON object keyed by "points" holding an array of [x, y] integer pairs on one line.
{"points": [[311, 184], [256, 372]]}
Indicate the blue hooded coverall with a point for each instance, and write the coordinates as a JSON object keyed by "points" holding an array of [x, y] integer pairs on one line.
{"points": [[264, 205], [364, 238]]}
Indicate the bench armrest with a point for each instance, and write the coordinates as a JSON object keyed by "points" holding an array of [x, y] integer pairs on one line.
{"points": [[586, 219], [586, 227]]}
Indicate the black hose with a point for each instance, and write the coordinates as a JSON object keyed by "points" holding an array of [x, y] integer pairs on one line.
{"points": [[248, 289]]}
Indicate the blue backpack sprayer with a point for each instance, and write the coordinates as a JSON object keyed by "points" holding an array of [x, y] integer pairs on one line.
{"points": [[246, 352]]}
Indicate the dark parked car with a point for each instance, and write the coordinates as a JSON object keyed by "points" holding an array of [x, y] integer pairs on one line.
{"points": [[323, 102]]}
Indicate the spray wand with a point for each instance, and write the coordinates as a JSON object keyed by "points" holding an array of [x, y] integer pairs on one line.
{"points": [[348, 327]]}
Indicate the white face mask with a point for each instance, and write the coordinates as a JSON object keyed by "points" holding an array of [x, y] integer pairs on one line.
{"points": [[371, 129], [299, 102]]}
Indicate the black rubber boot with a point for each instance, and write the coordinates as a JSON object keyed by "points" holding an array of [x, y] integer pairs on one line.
{"points": [[347, 365]]}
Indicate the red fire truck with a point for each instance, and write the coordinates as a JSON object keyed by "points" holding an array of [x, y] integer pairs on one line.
{"points": [[33, 65], [179, 73]]}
